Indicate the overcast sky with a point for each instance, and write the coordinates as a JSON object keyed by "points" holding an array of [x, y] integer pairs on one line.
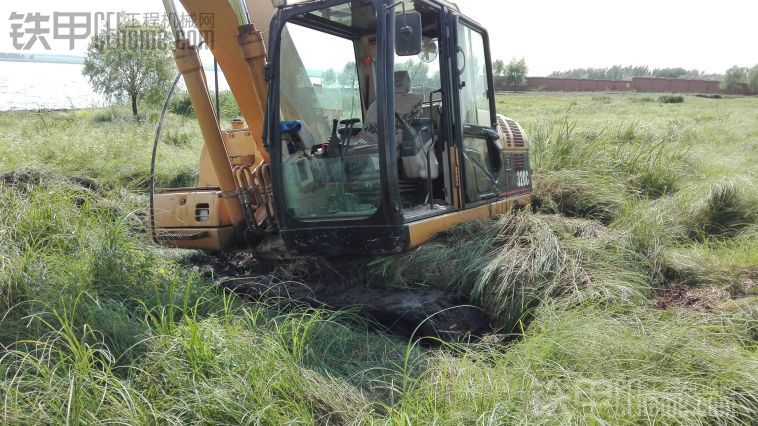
{"points": [[551, 35]]}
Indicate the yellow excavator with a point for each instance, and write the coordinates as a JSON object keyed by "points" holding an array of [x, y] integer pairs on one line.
{"points": [[369, 127]]}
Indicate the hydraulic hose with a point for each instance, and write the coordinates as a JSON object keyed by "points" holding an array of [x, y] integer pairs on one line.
{"points": [[154, 156]]}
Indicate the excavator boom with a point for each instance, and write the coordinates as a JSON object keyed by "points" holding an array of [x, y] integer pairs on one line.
{"points": [[220, 24]]}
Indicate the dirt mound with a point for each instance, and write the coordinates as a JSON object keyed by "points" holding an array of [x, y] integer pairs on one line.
{"points": [[704, 298], [696, 298]]}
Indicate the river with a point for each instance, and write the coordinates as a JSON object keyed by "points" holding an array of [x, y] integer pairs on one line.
{"points": [[34, 85]]}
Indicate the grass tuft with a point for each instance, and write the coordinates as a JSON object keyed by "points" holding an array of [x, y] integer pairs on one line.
{"points": [[671, 99], [509, 266]]}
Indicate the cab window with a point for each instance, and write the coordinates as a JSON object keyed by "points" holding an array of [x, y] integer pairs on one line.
{"points": [[472, 64]]}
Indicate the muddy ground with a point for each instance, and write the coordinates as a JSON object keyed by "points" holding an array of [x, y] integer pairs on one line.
{"points": [[418, 312]]}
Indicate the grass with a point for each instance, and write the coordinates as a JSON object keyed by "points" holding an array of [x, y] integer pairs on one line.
{"points": [[106, 145], [637, 199], [508, 266], [595, 365]]}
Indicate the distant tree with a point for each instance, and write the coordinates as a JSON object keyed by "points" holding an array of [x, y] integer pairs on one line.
{"points": [[349, 75], [752, 79], [680, 72], [419, 73], [734, 76], [329, 77], [132, 60], [435, 80], [515, 72], [615, 72], [670, 72], [619, 72], [499, 68]]}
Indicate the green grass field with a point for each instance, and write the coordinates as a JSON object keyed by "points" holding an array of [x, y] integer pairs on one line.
{"points": [[627, 297]]}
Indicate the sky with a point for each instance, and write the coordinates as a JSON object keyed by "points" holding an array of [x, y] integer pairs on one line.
{"points": [[550, 35]]}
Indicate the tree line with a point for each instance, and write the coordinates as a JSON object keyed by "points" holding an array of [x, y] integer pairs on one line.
{"points": [[620, 72], [144, 74], [515, 72]]}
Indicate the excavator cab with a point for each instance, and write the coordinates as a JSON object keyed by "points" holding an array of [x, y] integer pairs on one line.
{"points": [[404, 143], [379, 132]]}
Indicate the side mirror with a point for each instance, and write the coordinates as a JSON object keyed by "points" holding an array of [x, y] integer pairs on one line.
{"points": [[408, 29]]}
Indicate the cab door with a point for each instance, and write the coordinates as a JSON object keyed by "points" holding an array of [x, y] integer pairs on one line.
{"points": [[479, 151]]}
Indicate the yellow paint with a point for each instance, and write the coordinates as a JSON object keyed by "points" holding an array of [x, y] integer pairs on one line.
{"points": [[241, 150], [189, 65], [424, 230], [175, 216], [456, 170], [176, 209]]}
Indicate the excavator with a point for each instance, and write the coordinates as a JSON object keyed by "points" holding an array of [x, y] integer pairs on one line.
{"points": [[399, 144]]}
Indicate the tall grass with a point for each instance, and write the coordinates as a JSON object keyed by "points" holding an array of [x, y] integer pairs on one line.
{"points": [[508, 266], [594, 365], [653, 181], [96, 328], [594, 173], [99, 326], [113, 148]]}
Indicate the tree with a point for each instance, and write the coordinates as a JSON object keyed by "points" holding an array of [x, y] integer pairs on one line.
{"points": [[349, 75], [616, 72], [499, 68], [752, 79], [418, 71], [515, 72], [734, 76], [328, 77], [131, 61], [670, 72]]}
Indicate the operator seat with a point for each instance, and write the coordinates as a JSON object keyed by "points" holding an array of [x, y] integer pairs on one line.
{"points": [[407, 105]]}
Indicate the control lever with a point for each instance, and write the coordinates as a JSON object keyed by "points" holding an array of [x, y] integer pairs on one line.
{"points": [[334, 140]]}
